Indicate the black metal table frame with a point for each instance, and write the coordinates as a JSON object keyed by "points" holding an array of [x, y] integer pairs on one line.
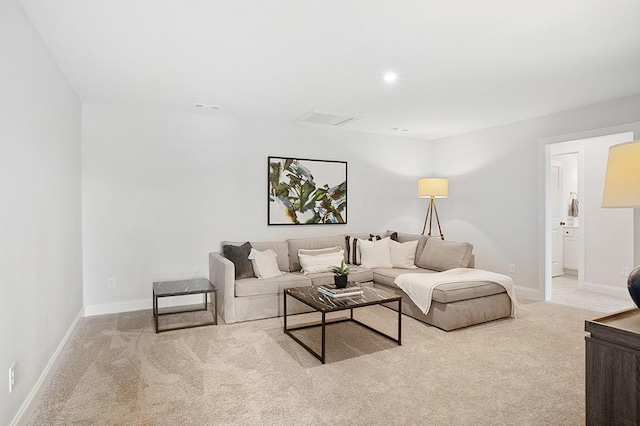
{"points": [[324, 323], [205, 293]]}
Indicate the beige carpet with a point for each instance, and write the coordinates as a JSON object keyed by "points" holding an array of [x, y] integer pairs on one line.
{"points": [[567, 292], [528, 371]]}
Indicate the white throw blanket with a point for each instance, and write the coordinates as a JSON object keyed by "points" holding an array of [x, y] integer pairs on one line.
{"points": [[419, 287]]}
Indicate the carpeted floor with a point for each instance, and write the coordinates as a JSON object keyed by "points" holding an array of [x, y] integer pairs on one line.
{"points": [[527, 371], [566, 291]]}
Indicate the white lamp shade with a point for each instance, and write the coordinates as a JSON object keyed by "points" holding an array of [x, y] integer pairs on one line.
{"points": [[622, 181], [433, 187]]}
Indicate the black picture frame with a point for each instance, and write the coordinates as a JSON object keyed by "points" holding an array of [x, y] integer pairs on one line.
{"points": [[304, 191]]}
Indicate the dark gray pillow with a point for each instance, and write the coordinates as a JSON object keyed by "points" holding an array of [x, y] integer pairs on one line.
{"points": [[393, 235], [239, 255]]}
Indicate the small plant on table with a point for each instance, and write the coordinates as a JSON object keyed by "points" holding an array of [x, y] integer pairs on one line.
{"points": [[340, 274]]}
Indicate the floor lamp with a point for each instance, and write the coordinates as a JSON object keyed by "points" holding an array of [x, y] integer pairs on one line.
{"points": [[622, 189], [432, 188]]}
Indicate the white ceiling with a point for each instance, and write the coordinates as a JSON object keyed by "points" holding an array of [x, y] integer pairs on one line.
{"points": [[462, 64]]}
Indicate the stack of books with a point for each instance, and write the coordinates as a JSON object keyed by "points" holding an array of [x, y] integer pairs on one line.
{"points": [[331, 291]]}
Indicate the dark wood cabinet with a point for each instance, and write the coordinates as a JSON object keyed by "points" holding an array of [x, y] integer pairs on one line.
{"points": [[613, 369]]}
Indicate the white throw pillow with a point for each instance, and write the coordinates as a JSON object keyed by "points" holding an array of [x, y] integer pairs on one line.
{"points": [[314, 263], [316, 252], [375, 254], [403, 254], [265, 264]]}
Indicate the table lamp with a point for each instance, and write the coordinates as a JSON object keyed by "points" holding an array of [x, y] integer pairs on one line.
{"points": [[432, 188], [622, 189]]}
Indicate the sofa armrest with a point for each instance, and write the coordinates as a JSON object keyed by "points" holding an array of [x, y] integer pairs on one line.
{"points": [[222, 274]]}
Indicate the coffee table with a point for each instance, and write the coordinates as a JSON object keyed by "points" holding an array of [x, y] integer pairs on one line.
{"points": [[183, 288], [310, 296]]}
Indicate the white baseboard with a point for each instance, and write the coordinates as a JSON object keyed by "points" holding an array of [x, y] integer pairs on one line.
{"points": [[528, 293], [139, 305], [33, 399], [607, 289], [117, 307]]}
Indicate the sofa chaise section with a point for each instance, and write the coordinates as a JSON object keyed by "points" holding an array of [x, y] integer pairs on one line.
{"points": [[453, 305]]}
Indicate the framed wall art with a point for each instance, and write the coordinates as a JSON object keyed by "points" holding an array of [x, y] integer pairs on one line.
{"points": [[306, 192]]}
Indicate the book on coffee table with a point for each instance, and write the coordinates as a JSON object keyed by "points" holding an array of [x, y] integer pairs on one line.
{"points": [[340, 292]]}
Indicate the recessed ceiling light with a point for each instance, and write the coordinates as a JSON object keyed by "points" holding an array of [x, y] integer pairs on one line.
{"points": [[207, 106], [390, 77]]}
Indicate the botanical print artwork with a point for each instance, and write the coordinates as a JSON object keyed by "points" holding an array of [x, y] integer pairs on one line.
{"points": [[307, 192]]}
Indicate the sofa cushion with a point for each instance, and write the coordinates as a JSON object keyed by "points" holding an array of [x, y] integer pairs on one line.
{"points": [[465, 290], [238, 254], [441, 255], [256, 287], [445, 293], [296, 244], [357, 274], [403, 238], [387, 276], [281, 248]]}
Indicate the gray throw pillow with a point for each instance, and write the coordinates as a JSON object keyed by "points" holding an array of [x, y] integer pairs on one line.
{"points": [[441, 255], [239, 255]]}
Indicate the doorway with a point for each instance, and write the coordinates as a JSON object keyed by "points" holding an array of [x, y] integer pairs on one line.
{"points": [[577, 228], [566, 238], [565, 218]]}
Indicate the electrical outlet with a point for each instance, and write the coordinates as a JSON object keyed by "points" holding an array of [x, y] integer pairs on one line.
{"points": [[624, 271], [12, 377], [512, 268], [111, 282]]}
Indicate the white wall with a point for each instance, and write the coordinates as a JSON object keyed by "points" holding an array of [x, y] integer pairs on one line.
{"points": [[608, 232], [161, 190], [496, 184], [40, 240]]}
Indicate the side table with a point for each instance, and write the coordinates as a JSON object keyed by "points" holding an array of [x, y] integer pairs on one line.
{"points": [[183, 288], [613, 369]]}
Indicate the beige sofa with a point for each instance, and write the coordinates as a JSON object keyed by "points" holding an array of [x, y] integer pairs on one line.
{"points": [[453, 305]]}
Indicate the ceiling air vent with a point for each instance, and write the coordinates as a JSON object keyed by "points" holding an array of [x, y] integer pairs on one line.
{"points": [[326, 119]]}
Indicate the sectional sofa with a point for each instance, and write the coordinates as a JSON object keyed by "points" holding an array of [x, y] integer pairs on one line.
{"points": [[453, 306]]}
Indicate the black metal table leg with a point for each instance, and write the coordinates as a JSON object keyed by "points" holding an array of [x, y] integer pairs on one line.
{"points": [[285, 310], [399, 321], [155, 311], [215, 306], [324, 325]]}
